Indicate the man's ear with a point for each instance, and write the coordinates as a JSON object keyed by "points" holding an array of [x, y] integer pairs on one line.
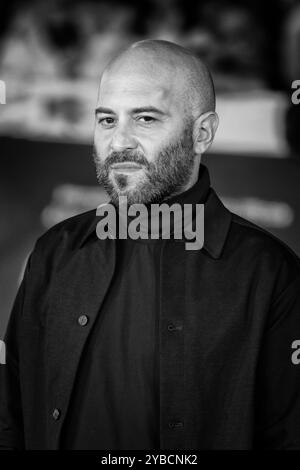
{"points": [[205, 128]]}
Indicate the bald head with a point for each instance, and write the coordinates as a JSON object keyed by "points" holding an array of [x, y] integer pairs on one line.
{"points": [[178, 69]]}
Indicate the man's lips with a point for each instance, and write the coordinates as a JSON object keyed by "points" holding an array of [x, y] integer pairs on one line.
{"points": [[126, 166]]}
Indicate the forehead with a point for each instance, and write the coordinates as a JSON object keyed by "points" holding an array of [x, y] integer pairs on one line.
{"points": [[136, 89]]}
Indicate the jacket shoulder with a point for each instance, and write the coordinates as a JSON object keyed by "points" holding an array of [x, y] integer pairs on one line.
{"points": [[66, 234], [258, 245], [262, 238]]}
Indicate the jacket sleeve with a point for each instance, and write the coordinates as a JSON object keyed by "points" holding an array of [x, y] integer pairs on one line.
{"points": [[11, 420], [278, 375]]}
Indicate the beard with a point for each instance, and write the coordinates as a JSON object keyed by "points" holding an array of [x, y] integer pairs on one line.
{"points": [[167, 175]]}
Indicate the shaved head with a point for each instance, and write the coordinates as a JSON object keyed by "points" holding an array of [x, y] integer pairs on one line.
{"points": [[177, 67]]}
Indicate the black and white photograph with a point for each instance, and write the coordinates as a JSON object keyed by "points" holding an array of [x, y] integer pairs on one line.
{"points": [[150, 227]]}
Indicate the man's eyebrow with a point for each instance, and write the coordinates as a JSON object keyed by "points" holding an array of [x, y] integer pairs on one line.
{"points": [[102, 110], [144, 109], [147, 109]]}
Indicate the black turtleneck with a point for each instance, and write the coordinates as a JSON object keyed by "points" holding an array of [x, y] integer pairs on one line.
{"points": [[115, 401]]}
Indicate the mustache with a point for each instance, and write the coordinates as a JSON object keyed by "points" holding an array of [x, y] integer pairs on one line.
{"points": [[126, 156]]}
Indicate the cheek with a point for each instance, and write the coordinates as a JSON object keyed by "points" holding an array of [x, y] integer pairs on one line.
{"points": [[152, 145], [101, 144], [155, 147]]}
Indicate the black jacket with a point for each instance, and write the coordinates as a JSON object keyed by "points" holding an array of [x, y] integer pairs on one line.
{"points": [[228, 379]]}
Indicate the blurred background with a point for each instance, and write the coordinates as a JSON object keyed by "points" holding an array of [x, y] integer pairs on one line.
{"points": [[51, 56]]}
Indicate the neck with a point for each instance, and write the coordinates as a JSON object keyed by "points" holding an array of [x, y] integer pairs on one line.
{"points": [[193, 179]]}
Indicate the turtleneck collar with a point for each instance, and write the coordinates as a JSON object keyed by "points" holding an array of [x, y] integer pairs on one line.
{"points": [[217, 219], [196, 194], [151, 230]]}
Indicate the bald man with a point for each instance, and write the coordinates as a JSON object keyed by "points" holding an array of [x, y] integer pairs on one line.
{"points": [[135, 342]]}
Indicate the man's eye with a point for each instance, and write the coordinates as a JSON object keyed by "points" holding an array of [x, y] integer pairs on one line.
{"points": [[108, 121], [146, 119]]}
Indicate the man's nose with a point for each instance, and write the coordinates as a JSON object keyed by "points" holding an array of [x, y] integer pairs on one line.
{"points": [[123, 139]]}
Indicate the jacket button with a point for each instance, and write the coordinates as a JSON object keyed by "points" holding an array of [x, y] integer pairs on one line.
{"points": [[172, 327], [176, 424], [83, 320], [56, 414]]}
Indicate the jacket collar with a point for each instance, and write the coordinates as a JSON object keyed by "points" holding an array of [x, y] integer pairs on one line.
{"points": [[217, 218]]}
